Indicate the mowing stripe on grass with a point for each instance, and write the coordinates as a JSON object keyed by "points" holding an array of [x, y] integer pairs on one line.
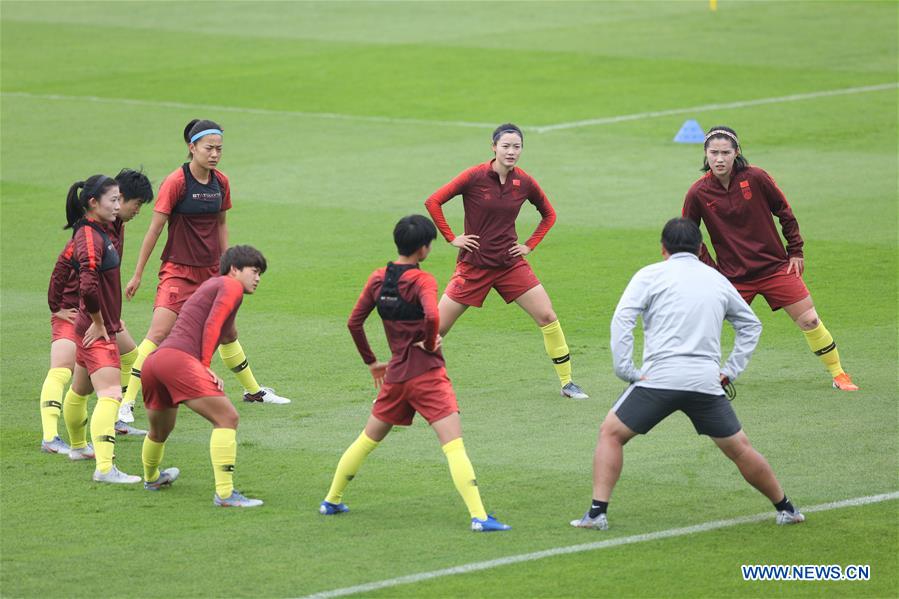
{"points": [[639, 116], [706, 107], [652, 536]]}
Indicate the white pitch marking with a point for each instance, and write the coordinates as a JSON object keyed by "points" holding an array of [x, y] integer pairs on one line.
{"points": [[467, 124], [261, 111], [652, 536], [706, 107]]}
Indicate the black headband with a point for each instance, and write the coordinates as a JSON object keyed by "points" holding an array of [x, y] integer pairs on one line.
{"points": [[96, 186], [499, 134]]}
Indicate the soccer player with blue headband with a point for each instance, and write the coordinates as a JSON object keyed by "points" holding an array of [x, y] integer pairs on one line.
{"points": [[193, 200]]}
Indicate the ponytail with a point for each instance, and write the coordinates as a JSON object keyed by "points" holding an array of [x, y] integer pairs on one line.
{"points": [[74, 209], [77, 203]]}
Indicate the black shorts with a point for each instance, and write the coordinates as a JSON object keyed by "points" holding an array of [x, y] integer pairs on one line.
{"points": [[641, 408]]}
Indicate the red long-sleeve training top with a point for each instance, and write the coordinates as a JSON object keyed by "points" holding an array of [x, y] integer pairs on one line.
{"points": [[740, 223], [490, 212], [62, 291], [208, 313], [99, 280], [408, 361]]}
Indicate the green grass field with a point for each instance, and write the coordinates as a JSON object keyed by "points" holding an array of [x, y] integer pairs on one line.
{"points": [[342, 117]]}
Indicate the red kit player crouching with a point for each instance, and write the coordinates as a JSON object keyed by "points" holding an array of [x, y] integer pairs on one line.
{"points": [[415, 378], [178, 372]]}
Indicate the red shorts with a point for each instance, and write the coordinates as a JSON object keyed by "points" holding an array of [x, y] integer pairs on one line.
{"points": [[177, 282], [170, 376], [430, 394], [101, 354], [779, 290], [63, 329], [471, 284]]}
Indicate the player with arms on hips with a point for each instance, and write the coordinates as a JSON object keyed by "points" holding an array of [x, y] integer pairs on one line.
{"points": [[415, 378], [736, 202], [194, 201], [490, 256], [62, 297], [92, 208], [178, 372], [683, 304]]}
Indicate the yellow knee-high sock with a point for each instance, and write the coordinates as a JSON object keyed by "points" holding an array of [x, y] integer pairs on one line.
{"points": [[463, 477], [103, 431], [557, 350], [74, 412], [223, 451], [822, 344], [349, 465], [51, 400], [145, 348], [127, 361], [234, 358], [151, 455]]}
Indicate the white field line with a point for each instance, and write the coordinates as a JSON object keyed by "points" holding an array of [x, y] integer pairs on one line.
{"points": [[707, 107], [652, 536], [238, 109], [467, 124]]}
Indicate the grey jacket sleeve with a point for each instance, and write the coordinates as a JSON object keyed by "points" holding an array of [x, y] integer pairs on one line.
{"points": [[748, 329], [629, 309]]}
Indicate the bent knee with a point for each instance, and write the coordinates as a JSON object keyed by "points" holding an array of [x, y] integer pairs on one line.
{"points": [[808, 320], [612, 428], [228, 420], [546, 317]]}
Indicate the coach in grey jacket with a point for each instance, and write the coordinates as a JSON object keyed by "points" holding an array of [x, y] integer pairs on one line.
{"points": [[683, 304]]}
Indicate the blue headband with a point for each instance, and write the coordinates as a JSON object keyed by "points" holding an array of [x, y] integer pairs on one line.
{"points": [[197, 136]]}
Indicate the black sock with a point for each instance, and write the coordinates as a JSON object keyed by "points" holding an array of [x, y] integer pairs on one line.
{"points": [[784, 505], [597, 508]]}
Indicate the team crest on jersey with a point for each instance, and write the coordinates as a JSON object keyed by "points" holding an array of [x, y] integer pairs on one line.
{"points": [[747, 192], [516, 182]]}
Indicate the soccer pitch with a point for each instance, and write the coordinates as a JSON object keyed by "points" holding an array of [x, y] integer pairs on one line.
{"points": [[339, 119]]}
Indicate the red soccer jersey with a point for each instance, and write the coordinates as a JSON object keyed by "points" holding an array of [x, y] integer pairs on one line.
{"points": [[490, 212], [193, 209], [408, 361], [209, 311], [63, 289], [740, 224], [99, 281], [64, 283]]}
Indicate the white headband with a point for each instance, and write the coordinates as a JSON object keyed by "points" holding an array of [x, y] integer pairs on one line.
{"points": [[722, 132]]}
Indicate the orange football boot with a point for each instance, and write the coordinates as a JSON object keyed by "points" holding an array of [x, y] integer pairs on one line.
{"points": [[844, 383]]}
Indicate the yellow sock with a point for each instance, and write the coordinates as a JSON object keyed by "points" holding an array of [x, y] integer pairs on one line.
{"points": [[103, 431], [74, 412], [557, 350], [234, 358], [820, 342], [349, 465], [127, 361], [463, 477], [145, 348], [223, 450], [51, 400], [151, 455]]}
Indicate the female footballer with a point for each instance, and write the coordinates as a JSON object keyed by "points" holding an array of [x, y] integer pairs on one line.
{"points": [[92, 209], [62, 297], [193, 200], [736, 201], [178, 372], [490, 256], [415, 380]]}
